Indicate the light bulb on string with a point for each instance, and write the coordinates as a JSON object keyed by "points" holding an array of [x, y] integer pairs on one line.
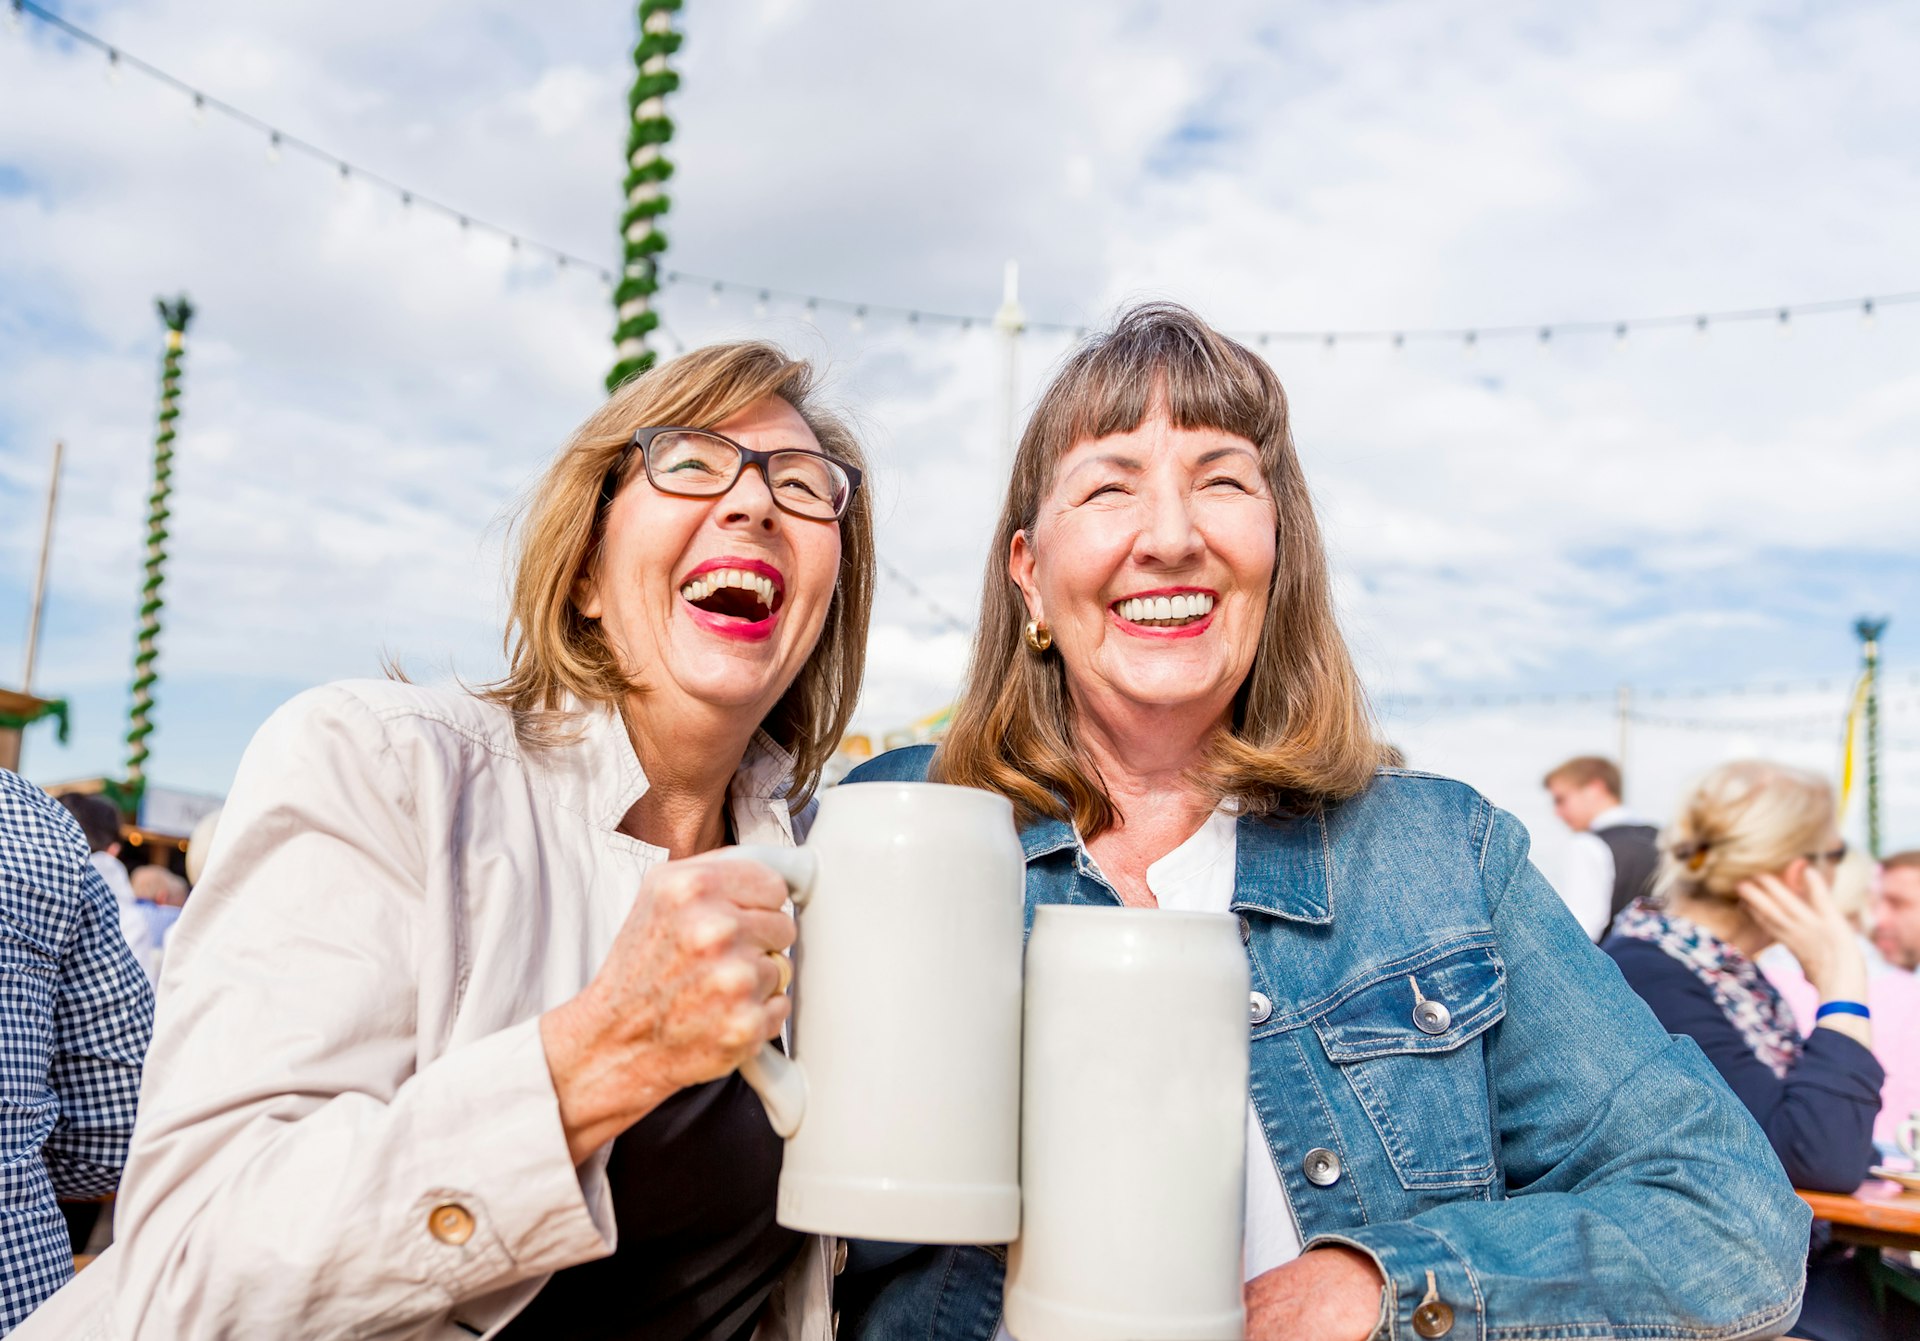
{"points": [[113, 66], [199, 109], [760, 305], [13, 17], [1399, 340], [1784, 321], [1470, 341], [713, 295], [812, 312], [913, 323], [1328, 343], [346, 175], [859, 322], [1866, 311], [1546, 337], [1700, 326], [273, 147], [1620, 335]]}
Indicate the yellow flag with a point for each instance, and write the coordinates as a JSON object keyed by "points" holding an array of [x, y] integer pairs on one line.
{"points": [[1856, 712]]}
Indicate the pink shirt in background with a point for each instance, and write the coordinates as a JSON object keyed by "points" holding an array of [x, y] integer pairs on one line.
{"points": [[1893, 995]]}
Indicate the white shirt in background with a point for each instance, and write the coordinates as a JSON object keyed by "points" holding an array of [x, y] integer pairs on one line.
{"points": [[1197, 877], [133, 924], [1587, 885]]}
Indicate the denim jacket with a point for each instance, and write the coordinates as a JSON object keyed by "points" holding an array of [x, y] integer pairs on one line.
{"points": [[1550, 1163]]}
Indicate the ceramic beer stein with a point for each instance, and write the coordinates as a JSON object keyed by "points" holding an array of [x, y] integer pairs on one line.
{"points": [[901, 1101], [1134, 1131], [1907, 1137]]}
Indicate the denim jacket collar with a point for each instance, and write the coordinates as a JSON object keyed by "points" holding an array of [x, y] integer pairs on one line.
{"points": [[1283, 866]]}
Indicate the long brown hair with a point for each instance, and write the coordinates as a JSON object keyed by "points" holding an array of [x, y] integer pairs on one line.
{"points": [[553, 650], [1300, 734]]}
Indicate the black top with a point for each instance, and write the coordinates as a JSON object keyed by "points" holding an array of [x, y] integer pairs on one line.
{"points": [[1636, 855], [693, 1187], [1819, 1117]]}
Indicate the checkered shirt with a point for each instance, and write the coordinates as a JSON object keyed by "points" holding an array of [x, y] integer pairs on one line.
{"points": [[75, 1016]]}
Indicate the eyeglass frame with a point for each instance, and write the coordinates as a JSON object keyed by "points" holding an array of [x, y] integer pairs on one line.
{"points": [[643, 438]]}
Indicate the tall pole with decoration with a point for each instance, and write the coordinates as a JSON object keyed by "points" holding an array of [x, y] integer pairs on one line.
{"points": [[1869, 631], [648, 131], [175, 315]]}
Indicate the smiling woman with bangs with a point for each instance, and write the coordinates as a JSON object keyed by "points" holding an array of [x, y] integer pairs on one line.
{"points": [[1460, 1121], [451, 1024]]}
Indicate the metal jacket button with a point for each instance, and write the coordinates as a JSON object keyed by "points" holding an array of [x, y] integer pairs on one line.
{"points": [[1259, 1009], [450, 1223], [1322, 1167], [1246, 929], [1432, 1018], [1432, 1319], [839, 1256]]}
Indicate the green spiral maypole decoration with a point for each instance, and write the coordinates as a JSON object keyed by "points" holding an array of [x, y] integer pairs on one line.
{"points": [[175, 315], [648, 131]]}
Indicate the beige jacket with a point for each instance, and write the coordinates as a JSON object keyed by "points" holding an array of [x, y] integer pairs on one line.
{"points": [[347, 1127]]}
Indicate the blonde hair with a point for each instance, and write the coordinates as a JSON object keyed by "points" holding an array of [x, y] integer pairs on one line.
{"points": [[1743, 819], [1300, 733], [554, 651]]}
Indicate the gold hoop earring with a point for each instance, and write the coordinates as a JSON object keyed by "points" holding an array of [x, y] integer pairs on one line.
{"points": [[1039, 636]]}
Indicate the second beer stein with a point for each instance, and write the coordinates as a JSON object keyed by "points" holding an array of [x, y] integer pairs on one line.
{"points": [[901, 1102], [1134, 1134]]}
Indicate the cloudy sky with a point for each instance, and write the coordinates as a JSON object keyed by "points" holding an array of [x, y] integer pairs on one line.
{"points": [[368, 390]]}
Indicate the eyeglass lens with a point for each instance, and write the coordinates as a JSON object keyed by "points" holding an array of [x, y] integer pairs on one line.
{"points": [[701, 465]]}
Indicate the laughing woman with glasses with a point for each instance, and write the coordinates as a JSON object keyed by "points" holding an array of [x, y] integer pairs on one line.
{"points": [[1748, 863], [451, 1026]]}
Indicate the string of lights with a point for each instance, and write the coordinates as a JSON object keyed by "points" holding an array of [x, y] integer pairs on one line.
{"points": [[859, 312], [943, 616], [1610, 698]]}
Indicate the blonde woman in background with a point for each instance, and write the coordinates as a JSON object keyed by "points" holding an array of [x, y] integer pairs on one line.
{"points": [[1893, 995], [1748, 863], [453, 1018]]}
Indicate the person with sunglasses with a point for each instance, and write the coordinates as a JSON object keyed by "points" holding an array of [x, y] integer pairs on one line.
{"points": [[454, 1017], [1748, 863]]}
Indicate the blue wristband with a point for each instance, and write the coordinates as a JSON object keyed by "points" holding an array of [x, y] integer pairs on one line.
{"points": [[1843, 1008]]}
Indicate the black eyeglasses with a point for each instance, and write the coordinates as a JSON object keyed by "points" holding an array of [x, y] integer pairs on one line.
{"points": [[1832, 858], [699, 463]]}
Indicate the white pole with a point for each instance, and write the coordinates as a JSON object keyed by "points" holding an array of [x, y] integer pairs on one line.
{"points": [[40, 576], [1010, 321], [1625, 701]]}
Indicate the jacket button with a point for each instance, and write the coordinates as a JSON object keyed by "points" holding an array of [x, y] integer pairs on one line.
{"points": [[450, 1223], [1246, 929], [1322, 1168], [1259, 1009], [1432, 1319], [1432, 1018], [839, 1256]]}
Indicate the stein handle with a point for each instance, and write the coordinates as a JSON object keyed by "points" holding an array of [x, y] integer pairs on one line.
{"points": [[776, 1077]]}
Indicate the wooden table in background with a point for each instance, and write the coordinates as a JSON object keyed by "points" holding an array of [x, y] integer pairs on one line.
{"points": [[1881, 1214]]}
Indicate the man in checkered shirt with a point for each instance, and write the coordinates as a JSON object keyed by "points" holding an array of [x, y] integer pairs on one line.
{"points": [[75, 1016]]}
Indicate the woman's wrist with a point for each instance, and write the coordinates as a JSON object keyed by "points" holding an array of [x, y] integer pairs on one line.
{"points": [[592, 1083]]}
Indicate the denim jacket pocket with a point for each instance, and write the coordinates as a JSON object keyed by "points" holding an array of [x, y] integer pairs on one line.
{"points": [[1408, 1043]]}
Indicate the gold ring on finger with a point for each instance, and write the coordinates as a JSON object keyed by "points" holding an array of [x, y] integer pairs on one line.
{"points": [[785, 965]]}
